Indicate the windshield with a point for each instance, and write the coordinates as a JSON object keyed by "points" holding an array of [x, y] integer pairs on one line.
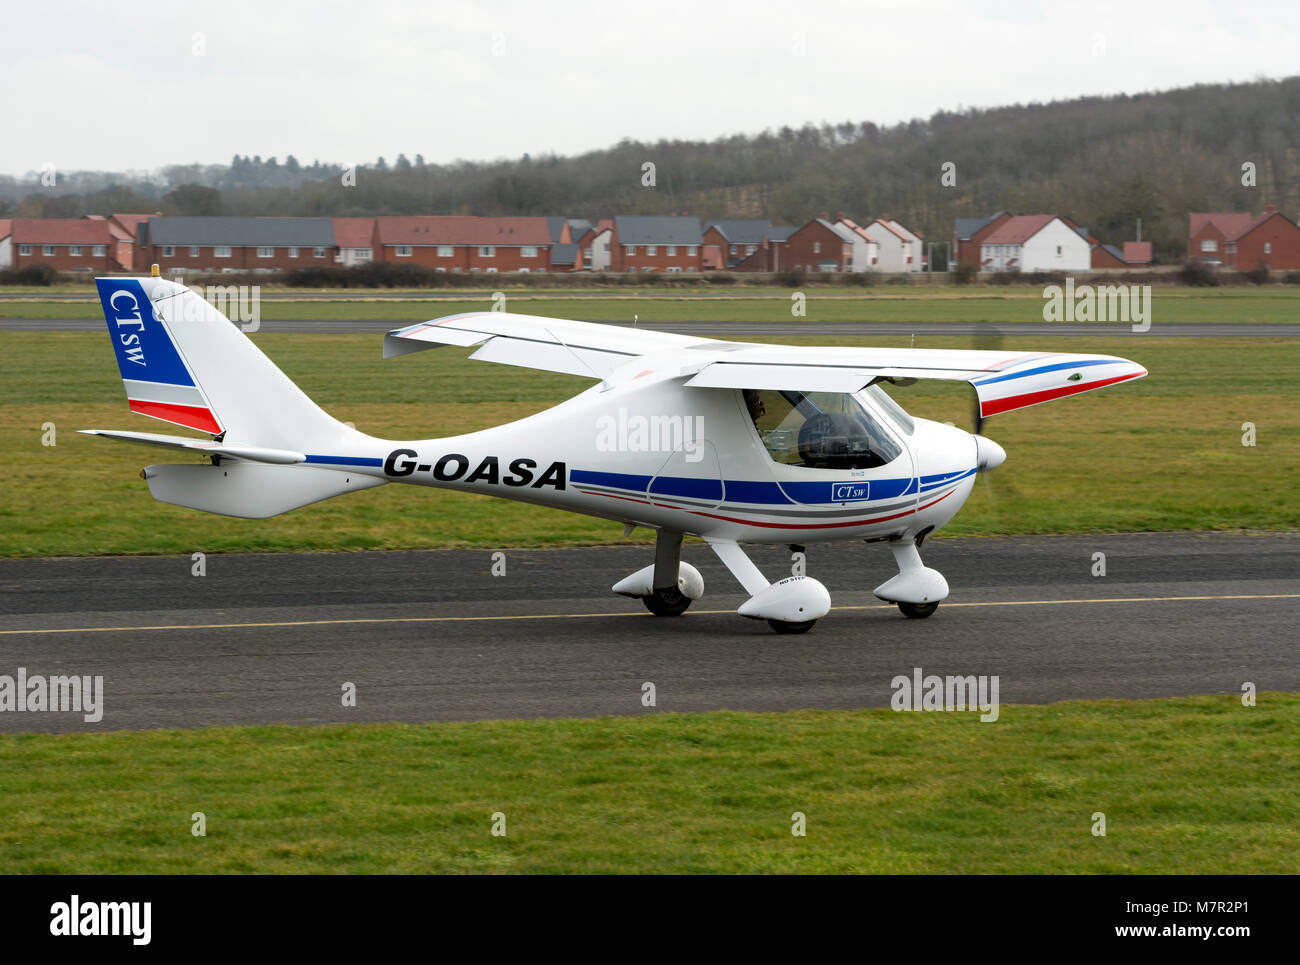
{"points": [[819, 430], [892, 408]]}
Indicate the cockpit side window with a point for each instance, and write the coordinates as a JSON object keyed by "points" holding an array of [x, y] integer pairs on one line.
{"points": [[819, 430]]}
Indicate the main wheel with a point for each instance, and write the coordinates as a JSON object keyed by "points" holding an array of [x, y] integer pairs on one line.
{"points": [[918, 611], [668, 602], [780, 626]]}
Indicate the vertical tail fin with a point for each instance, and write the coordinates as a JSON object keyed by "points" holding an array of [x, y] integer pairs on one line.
{"points": [[182, 361]]}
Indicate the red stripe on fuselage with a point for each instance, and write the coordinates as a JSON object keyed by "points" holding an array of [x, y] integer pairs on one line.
{"points": [[755, 522], [195, 417]]}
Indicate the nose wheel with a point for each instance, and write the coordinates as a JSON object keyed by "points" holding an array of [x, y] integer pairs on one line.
{"points": [[917, 611]]}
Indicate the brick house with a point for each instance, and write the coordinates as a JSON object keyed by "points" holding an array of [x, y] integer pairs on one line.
{"points": [[127, 233], [818, 246], [68, 244], [1241, 241], [736, 239], [354, 241], [656, 243], [459, 243], [968, 233], [6, 243], [225, 244]]}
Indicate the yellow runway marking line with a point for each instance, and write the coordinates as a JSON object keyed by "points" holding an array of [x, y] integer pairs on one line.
{"points": [[585, 616]]}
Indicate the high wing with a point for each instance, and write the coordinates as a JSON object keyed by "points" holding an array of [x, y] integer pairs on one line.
{"points": [[553, 344], [1002, 381]]}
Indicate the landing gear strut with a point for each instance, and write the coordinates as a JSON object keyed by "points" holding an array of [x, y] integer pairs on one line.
{"points": [[916, 589], [668, 586]]}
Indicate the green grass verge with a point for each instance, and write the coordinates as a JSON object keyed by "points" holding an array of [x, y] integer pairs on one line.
{"points": [[1163, 453], [887, 304], [1188, 786]]}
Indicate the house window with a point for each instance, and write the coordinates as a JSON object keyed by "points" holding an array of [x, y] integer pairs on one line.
{"points": [[631, 268], [264, 252], [674, 268], [363, 254], [1209, 244], [731, 250], [168, 251], [24, 249], [491, 269], [1058, 250], [691, 268], [1268, 247], [74, 251], [652, 249], [403, 251], [817, 247], [630, 250], [750, 249], [194, 251], [318, 252], [445, 251], [672, 250], [101, 250], [221, 251], [487, 251], [528, 251], [691, 251], [293, 252]]}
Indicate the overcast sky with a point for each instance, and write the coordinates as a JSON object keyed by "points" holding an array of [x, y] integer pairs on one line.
{"points": [[117, 86]]}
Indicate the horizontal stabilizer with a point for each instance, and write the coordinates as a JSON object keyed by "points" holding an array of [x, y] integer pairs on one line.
{"points": [[249, 490], [204, 446]]}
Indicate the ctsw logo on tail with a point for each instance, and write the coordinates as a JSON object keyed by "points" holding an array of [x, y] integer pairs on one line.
{"points": [[158, 382]]}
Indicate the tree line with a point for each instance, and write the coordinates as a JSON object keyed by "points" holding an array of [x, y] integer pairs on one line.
{"points": [[1105, 162]]}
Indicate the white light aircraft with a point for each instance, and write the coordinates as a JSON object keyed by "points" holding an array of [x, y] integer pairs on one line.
{"points": [[731, 442]]}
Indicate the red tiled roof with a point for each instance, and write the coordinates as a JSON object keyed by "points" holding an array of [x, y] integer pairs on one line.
{"points": [[61, 231], [131, 222], [1231, 224], [458, 230], [857, 229], [354, 232], [1019, 229], [890, 228]]}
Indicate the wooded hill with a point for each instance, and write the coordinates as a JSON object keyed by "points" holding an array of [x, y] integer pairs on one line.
{"points": [[1102, 161]]}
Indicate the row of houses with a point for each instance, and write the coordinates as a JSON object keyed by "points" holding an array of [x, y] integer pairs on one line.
{"points": [[452, 243], [1039, 242], [1044, 242], [628, 243]]}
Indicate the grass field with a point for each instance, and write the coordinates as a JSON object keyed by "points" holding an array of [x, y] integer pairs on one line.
{"points": [[1188, 785], [886, 304], [1163, 453]]}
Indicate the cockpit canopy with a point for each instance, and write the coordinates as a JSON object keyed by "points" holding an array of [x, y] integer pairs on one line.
{"points": [[819, 430]]}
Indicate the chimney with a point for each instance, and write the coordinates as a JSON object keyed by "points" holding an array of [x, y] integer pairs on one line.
{"points": [[839, 215], [824, 215]]}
